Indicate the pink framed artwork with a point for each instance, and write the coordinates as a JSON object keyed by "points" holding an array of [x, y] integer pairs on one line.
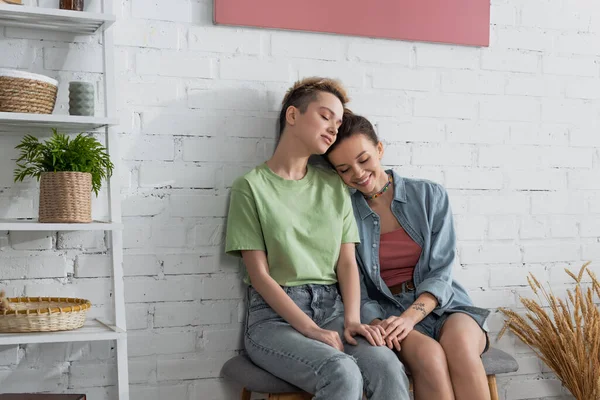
{"points": [[465, 22]]}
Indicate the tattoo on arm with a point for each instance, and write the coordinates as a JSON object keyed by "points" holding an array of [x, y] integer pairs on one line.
{"points": [[420, 307]]}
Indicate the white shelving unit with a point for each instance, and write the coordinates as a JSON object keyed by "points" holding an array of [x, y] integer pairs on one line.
{"points": [[78, 22], [93, 330], [33, 225], [84, 23], [11, 122]]}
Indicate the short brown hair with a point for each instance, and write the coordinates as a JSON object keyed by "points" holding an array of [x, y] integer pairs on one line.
{"points": [[305, 91], [353, 124]]}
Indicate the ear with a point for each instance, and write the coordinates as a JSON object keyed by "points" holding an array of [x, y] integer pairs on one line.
{"points": [[380, 150], [291, 114]]}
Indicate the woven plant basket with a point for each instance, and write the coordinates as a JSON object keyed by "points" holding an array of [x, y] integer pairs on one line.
{"points": [[43, 314], [65, 197], [24, 92]]}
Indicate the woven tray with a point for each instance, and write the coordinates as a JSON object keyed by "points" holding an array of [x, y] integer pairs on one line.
{"points": [[43, 314], [24, 92]]}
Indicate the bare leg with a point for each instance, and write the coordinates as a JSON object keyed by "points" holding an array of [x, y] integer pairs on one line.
{"points": [[427, 363], [464, 341]]}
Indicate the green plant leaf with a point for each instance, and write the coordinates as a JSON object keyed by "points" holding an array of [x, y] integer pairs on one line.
{"points": [[59, 153]]}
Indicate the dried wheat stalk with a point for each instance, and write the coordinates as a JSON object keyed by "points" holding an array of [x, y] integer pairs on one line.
{"points": [[567, 339]]}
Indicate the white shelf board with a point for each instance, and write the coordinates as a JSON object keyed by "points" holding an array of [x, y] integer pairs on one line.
{"points": [[10, 122], [33, 225], [79, 22], [93, 330]]}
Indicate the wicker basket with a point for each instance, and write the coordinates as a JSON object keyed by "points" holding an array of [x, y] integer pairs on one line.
{"points": [[43, 314], [24, 92], [65, 197]]}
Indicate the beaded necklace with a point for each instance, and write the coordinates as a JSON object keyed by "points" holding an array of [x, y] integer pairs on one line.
{"points": [[383, 190]]}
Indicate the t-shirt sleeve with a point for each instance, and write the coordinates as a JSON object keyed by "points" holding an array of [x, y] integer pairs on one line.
{"points": [[350, 230], [244, 231]]}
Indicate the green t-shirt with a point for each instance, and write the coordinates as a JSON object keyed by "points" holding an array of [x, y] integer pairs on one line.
{"points": [[299, 224]]}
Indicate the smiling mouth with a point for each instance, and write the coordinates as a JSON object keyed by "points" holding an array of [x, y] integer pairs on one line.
{"points": [[363, 181]]}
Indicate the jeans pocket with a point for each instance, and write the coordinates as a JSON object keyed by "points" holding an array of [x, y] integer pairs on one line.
{"points": [[261, 315], [255, 300], [299, 295], [338, 307]]}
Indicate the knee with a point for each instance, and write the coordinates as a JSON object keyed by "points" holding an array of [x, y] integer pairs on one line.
{"points": [[393, 371], [430, 360], [386, 363], [453, 342], [385, 374], [460, 351], [345, 371]]}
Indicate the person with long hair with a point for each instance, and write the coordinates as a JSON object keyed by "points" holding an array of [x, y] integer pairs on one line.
{"points": [[406, 253]]}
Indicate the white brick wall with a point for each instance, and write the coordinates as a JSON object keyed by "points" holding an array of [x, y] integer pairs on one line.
{"points": [[511, 130]]}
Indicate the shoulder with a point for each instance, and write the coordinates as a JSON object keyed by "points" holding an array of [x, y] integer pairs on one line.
{"points": [[425, 197], [245, 183], [422, 191], [328, 177], [325, 173], [424, 186]]}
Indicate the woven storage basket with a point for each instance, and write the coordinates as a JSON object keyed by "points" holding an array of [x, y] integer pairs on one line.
{"points": [[43, 314], [24, 92], [65, 197]]}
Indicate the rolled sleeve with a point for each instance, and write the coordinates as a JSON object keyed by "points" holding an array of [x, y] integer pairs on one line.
{"points": [[440, 289]]}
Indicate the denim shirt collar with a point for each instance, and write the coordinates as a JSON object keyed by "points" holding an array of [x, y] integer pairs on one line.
{"points": [[399, 195]]}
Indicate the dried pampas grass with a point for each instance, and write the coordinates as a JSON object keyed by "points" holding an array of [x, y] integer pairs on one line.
{"points": [[568, 338]]}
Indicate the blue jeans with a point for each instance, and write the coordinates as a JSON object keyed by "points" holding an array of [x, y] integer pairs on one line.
{"points": [[316, 367]]}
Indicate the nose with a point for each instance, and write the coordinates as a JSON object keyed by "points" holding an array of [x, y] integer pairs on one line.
{"points": [[333, 129]]}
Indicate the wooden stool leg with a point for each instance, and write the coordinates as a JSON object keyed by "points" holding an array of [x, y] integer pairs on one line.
{"points": [[246, 394], [290, 396], [493, 387]]}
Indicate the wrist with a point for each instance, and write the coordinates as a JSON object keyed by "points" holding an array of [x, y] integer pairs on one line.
{"points": [[348, 321], [412, 315], [308, 328]]}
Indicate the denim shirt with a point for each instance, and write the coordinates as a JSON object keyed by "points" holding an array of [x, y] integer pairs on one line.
{"points": [[422, 208]]}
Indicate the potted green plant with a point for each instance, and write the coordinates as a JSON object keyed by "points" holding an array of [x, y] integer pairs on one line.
{"points": [[68, 170]]}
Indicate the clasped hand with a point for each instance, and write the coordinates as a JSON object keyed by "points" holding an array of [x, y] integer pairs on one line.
{"points": [[371, 333], [393, 330], [389, 332]]}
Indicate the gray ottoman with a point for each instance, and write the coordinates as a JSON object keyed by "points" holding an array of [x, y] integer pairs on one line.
{"points": [[255, 379]]}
